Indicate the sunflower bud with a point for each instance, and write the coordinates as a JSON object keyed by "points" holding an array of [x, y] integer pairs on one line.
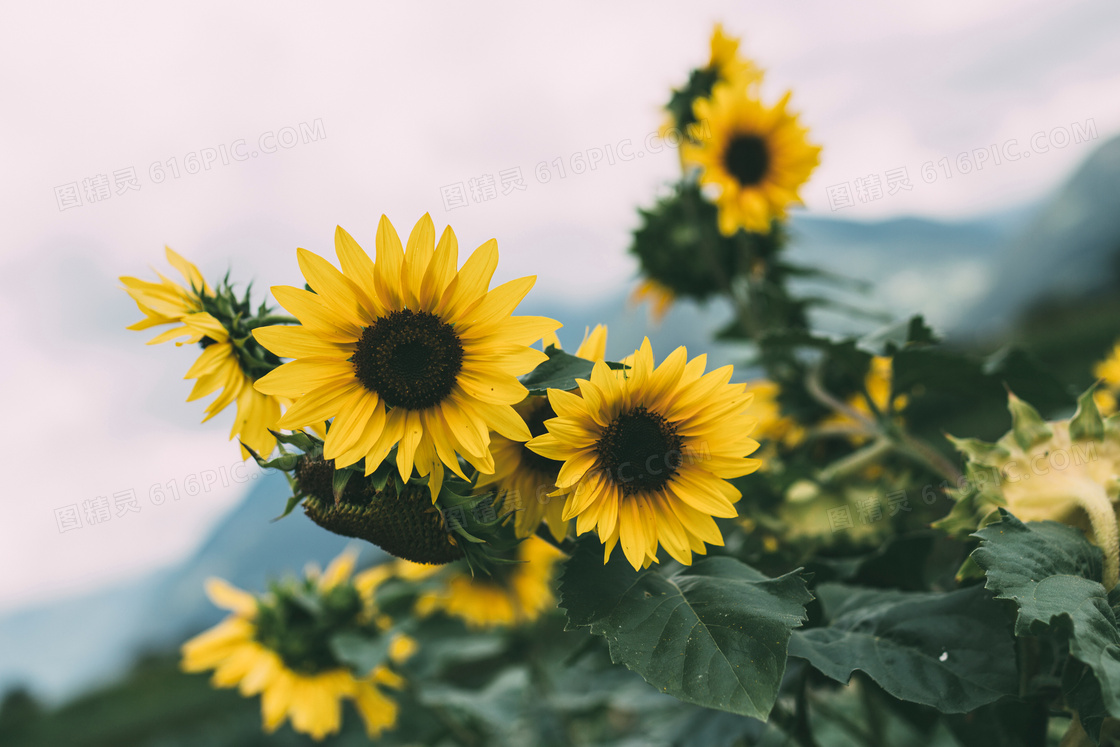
{"points": [[1063, 471], [399, 517]]}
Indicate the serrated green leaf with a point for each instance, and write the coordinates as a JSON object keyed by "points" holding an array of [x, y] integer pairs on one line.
{"points": [[951, 651], [714, 634], [1052, 573]]}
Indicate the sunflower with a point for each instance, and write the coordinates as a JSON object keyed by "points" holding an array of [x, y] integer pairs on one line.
{"points": [[725, 65], [406, 351], [1108, 371], [515, 595], [647, 453], [757, 156], [524, 479], [726, 62], [874, 401], [661, 298], [772, 425], [273, 646], [218, 367]]}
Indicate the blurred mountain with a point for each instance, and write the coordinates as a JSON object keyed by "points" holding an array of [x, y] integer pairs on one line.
{"points": [[62, 647], [1067, 252]]}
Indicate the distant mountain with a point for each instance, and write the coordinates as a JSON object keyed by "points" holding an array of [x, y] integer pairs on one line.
{"points": [[1068, 250], [911, 265], [60, 648]]}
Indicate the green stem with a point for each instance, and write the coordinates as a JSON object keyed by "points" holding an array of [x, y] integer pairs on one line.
{"points": [[900, 440], [856, 461], [264, 321]]}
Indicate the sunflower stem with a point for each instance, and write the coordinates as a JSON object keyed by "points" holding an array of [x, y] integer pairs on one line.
{"points": [[901, 441], [264, 321], [1102, 517], [856, 461]]}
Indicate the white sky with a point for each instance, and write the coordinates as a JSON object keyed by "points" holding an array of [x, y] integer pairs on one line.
{"points": [[413, 97]]}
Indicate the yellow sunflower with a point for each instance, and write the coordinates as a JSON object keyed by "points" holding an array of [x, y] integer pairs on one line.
{"points": [[515, 595], [661, 298], [271, 647], [726, 62], [724, 66], [647, 453], [218, 367], [406, 351], [757, 156], [1108, 371], [772, 425], [525, 480], [878, 384]]}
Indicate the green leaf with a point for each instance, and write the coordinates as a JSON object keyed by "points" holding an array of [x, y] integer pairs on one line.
{"points": [[560, 371], [359, 652], [339, 480], [714, 634], [949, 650], [1027, 425], [293, 501], [1052, 574], [894, 337], [1087, 422]]}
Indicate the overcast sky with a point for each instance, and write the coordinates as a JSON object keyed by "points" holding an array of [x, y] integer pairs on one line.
{"points": [[396, 103]]}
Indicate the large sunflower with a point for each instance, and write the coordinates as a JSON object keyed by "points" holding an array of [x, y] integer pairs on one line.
{"points": [[515, 595], [647, 453], [525, 480], [406, 351], [757, 156], [273, 646], [218, 367]]}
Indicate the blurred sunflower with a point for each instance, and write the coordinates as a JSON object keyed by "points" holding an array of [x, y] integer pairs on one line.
{"points": [[516, 594], [272, 645], [1108, 371], [873, 402], [757, 156], [524, 479], [406, 351], [647, 453], [771, 425], [725, 65], [218, 367], [660, 297]]}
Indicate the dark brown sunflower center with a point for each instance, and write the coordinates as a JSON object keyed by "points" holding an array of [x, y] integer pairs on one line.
{"points": [[550, 468], [747, 159], [640, 451], [410, 358]]}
